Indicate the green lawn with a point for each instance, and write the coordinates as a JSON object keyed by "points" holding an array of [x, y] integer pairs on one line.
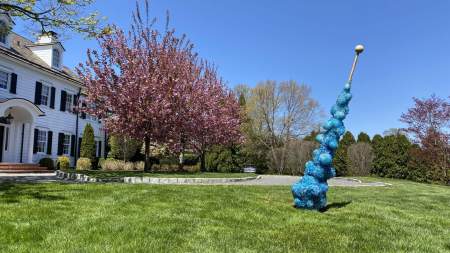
{"points": [[119, 174], [406, 217]]}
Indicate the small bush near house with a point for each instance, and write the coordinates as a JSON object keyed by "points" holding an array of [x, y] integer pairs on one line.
{"points": [[100, 162], [84, 164], [128, 166], [63, 163], [139, 165], [117, 165], [47, 162]]}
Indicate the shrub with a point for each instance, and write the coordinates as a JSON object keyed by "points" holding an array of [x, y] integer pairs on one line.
{"points": [[47, 162], [110, 165], [224, 159], [101, 161], [116, 165], [84, 164], [139, 165], [127, 165], [63, 163], [87, 148]]}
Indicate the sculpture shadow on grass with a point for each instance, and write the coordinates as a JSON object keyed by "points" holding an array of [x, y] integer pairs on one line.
{"points": [[14, 193], [334, 205]]}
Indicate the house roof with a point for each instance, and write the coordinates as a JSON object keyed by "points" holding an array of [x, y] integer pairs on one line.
{"points": [[19, 49]]}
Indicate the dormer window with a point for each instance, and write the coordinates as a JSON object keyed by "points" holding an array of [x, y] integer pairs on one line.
{"points": [[56, 58]]}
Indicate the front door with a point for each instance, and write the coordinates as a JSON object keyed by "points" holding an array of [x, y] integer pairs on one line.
{"points": [[2, 130]]}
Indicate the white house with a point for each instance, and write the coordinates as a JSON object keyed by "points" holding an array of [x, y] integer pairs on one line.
{"points": [[37, 100]]}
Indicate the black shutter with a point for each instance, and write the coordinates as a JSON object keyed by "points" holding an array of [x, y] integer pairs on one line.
{"points": [[49, 142], [36, 132], [79, 146], [13, 86], [60, 143], [37, 93], [63, 100], [52, 97], [72, 146], [99, 149]]}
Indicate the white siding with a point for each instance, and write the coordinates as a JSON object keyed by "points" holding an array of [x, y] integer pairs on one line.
{"points": [[54, 119]]}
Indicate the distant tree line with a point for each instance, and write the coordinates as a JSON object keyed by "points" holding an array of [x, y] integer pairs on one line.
{"points": [[273, 144]]}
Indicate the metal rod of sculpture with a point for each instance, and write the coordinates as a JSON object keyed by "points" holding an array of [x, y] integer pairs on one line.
{"points": [[310, 191]]}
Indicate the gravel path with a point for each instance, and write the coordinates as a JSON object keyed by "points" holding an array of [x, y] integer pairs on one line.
{"points": [[262, 180]]}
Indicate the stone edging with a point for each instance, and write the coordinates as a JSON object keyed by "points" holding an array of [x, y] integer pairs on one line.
{"points": [[148, 180]]}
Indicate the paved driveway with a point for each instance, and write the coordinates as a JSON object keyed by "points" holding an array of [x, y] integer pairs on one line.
{"points": [[289, 180], [28, 178]]}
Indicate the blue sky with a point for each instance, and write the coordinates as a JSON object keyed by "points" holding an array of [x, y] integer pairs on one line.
{"points": [[407, 47]]}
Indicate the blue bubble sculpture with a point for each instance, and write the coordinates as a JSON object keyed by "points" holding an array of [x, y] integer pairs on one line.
{"points": [[310, 192]]}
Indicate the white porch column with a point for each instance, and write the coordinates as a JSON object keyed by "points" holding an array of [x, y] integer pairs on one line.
{"points": [[31, 143]]}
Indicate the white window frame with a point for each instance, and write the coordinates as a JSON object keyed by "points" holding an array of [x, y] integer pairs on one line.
{"points": [[8, 79], [67, 145], [42, 139], [69, 105], [56, 58], [45, 98]]}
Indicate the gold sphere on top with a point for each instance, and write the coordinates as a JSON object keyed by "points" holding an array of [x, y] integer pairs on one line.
{"points": [[359, 49]]}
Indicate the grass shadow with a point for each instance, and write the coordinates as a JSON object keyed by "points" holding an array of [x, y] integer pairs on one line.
{"points": [[13, 193], [335, 205]]}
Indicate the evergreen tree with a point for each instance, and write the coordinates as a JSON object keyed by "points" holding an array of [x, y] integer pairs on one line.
{"points": [[123, 148], [341, 161], [363, 137], [377, 145], [377, 139], [391, 157], [87, 149]]}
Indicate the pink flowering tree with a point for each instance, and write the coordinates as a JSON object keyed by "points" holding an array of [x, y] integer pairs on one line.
{"points": [[150, 85]]}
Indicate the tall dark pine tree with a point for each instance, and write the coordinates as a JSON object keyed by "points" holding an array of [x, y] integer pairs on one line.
{"points": [[363, 137], [341, 161]]}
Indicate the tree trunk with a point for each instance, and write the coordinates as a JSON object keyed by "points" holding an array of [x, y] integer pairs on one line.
{"points": [[202, 162], [147, 166]]}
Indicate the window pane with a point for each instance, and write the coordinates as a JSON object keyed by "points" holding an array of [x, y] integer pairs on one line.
{"points": [[69, 102], [41, 141], [4, 77], [55, 59], [66, 147], [45, 94]]}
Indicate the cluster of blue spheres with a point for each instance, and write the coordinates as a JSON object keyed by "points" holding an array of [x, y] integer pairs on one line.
{"points": [[310, 192]]}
